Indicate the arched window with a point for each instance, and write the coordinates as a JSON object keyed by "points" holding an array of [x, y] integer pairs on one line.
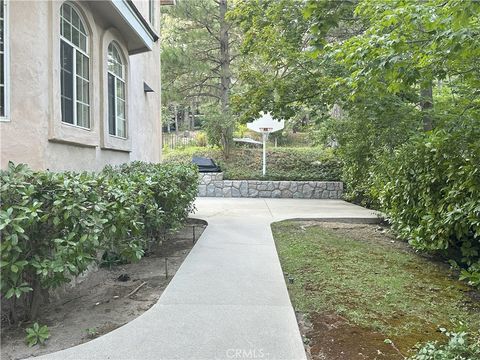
{"points": [[117, 123], [75, 75]]}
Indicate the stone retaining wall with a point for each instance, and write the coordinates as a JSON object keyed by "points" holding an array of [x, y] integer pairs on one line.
{"points": [[213, 185]]}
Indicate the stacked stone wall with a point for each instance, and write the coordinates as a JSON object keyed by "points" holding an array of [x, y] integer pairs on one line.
{"points": [[213, 185]]}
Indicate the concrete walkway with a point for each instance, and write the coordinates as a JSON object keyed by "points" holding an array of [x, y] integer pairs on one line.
{"points": [[228, 300]]}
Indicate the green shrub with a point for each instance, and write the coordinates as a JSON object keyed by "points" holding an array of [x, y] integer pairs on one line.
{"points": [[430, 191], [201, 139], [282, 163], [55, 224], [37, 334], [460, 346]]}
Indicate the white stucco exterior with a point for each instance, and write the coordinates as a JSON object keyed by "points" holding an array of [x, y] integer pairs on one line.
{"points": [[33, 131]]}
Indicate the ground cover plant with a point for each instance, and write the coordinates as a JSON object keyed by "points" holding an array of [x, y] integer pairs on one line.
{"points": [[54, 225], [282, 163], [372, 283]]}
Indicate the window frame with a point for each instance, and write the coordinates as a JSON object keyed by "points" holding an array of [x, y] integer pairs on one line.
{"points": [[6, 63], [123, 80], [75, 49]]}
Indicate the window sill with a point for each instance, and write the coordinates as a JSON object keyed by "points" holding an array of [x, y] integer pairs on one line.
{"points": [[65, 133], [76, 126], [113, 148], [71, 142], [116, 143]]}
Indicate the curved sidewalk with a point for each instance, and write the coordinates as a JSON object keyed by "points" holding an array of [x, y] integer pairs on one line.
{"points": [[228, 300]]}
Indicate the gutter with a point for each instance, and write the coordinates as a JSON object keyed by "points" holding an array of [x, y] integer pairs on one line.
{"points": [[144, 22]]}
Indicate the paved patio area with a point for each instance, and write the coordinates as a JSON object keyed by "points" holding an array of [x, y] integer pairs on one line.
{"points": [[228, 300]]}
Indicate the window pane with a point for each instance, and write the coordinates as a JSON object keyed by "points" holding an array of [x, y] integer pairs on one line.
{"points": [[66, 55], [111, 105], [115, 64], [2, 25], [67, 110], [66, 12], [82, 65], [75, 37], [83, 118], [119, 70], [79, 65], [2, 101], [120, 108], [79, 89], [75, 19], [122, 131], [85, 95], [85, 70], [66, 79], [72, 28], [120, 90], [82, 28], [67, 31], [2, 70], [79, 115], [83, 42]]}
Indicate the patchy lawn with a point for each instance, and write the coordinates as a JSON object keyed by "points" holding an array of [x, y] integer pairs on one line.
{"points": [[354, 286]]}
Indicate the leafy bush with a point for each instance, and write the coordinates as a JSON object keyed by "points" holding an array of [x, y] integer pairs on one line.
{"points": [[430, 191], [201, 139], [55, 224], [460, 346], [282, 163]]}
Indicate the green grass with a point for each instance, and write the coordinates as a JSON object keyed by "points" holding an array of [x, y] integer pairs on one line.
{"points": [[371, 283], [283, 163]]}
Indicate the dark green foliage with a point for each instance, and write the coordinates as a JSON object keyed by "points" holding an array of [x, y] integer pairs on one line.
{"points": [[460, 346], [54, 225], [430, 190], [282, 163]]}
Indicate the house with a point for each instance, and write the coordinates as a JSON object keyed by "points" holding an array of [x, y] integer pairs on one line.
{"points": [[80, 83]]}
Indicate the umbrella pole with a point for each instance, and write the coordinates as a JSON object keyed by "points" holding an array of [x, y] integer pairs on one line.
{"points": [[264, 137]]}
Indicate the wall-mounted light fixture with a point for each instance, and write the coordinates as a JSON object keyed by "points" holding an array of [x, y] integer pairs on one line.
{"points": [[147, 88]]}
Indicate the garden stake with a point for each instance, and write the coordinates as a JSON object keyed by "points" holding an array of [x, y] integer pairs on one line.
{"points": [[166, 268], [136, 289]]}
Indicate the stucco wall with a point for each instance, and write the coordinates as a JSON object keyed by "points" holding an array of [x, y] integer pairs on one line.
{"points": [[34, 133]]}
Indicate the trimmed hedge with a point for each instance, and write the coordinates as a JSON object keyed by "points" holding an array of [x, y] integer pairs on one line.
{"points": [[315, 164], [55, 224], [430, 190]]}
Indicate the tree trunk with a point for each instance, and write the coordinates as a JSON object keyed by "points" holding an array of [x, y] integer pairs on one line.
{"points": [[426, 103], [37, 300], [224, 57], [169, 120], [225, 79], [176, 118], [191, 125]]}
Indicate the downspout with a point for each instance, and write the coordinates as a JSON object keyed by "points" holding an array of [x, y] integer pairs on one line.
{"points": [[160, 83]]}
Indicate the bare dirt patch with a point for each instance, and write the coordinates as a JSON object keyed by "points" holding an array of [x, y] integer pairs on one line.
{"points": [[101, 303], [332, 337]]}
